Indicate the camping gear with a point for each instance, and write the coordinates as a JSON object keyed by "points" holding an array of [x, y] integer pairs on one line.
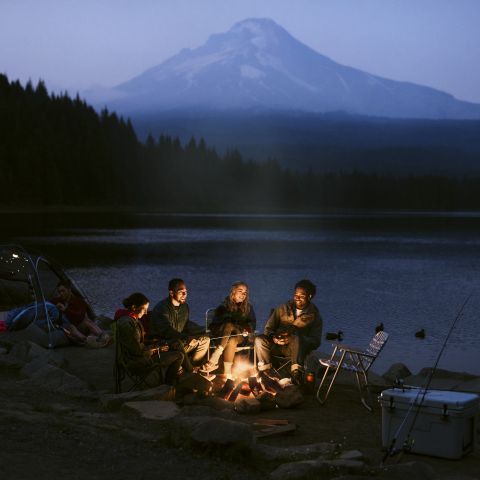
{"points": [[309, 386], [139, 376], [27, 281], [444, 422], [352, 360]]}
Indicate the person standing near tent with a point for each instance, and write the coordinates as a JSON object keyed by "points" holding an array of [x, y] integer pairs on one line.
{"points": [[293, 330], [170, 321], [74, 312]]}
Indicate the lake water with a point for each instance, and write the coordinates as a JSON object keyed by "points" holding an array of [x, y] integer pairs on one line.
{"points": [[407, 271]]}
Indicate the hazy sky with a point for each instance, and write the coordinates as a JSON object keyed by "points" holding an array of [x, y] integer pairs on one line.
{"points": [[74, 44]]}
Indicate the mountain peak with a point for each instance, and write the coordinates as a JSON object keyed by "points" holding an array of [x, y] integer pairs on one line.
{"points": [[257, 27], [254, 34], [258, 65]]}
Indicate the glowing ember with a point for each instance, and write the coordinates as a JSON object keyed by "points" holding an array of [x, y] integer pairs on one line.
{"points": [[242, 369]]}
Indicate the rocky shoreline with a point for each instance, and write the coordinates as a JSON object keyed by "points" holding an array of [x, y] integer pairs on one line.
{"points": [[59, 416]]}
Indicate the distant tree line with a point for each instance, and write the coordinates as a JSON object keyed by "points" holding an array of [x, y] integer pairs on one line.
{"points": [[330, 142], [55, 150]]}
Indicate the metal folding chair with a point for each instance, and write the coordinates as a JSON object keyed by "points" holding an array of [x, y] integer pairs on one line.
{"points": [[138, 377], [281, 365], [352, 360]]}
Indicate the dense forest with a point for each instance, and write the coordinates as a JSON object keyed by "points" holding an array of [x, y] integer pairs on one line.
{"points": [[55, 150], [329, 142]]}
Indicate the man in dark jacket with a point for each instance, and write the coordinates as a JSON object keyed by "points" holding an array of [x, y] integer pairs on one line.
{"points": [[170, 321], [293, 330]]}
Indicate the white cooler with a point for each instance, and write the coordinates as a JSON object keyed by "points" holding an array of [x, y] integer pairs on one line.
{"points": [[445, 425]]}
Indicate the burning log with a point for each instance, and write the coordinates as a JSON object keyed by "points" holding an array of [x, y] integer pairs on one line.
{"points": [[227, 389], [255, 386], [271, 385], [236, 391]]}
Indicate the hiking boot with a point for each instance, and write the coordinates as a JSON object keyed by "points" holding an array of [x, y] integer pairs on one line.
{"points": [[92, 342], [208, 367], [105, 339], [297, 377]]}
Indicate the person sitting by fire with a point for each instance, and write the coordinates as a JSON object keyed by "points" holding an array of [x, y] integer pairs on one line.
{"points": [[293, 330], [234, 320], [131, 337], [170, 321], [80, 328]]}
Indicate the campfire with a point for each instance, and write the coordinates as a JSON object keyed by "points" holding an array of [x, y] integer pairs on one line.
{"points": [[247, 383]]}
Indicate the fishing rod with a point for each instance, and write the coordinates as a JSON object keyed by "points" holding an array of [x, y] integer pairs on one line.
{"points": [[422, 392]]}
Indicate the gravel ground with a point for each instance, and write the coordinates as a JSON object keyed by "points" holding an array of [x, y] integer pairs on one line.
{"points": [[46, 433]]}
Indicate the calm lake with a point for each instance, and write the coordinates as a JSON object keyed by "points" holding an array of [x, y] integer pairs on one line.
{"points": [[409, 271]]}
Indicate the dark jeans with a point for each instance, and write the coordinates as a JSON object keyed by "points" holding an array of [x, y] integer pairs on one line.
{"points": [[170, 360], [296, 350], [191, 356]]}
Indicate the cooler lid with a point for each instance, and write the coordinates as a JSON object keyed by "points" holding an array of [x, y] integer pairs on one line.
{"points": [[454, 401]]}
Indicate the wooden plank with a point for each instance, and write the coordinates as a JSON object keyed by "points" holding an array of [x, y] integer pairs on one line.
{"points": [[270, 421], [275, 430]]}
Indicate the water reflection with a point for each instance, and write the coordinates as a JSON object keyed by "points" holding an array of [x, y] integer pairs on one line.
{"points": [[406, 278]]}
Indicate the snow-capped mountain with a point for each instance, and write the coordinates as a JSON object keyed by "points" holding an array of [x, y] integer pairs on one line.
{"points": [[258, 65]]}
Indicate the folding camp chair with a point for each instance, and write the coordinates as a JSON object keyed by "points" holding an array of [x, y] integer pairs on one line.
{"points": [[352, 360], [140, 377], [209, 315], [281, 365]]}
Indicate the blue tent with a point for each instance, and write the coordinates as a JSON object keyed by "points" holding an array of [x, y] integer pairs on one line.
{"points": [[27, 282]]}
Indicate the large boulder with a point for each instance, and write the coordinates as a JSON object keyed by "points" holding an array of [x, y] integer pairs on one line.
{"points": [[267, 401], [9, 362], [247, 405], [206, 411], [213, 434], [54, 379], [442, 379], [307, 469], [33, 333], [153, 410], [289, 397], [410, 470], [115, 401], [214, 402], [293, 453], [31, 353], [397, 371]]}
